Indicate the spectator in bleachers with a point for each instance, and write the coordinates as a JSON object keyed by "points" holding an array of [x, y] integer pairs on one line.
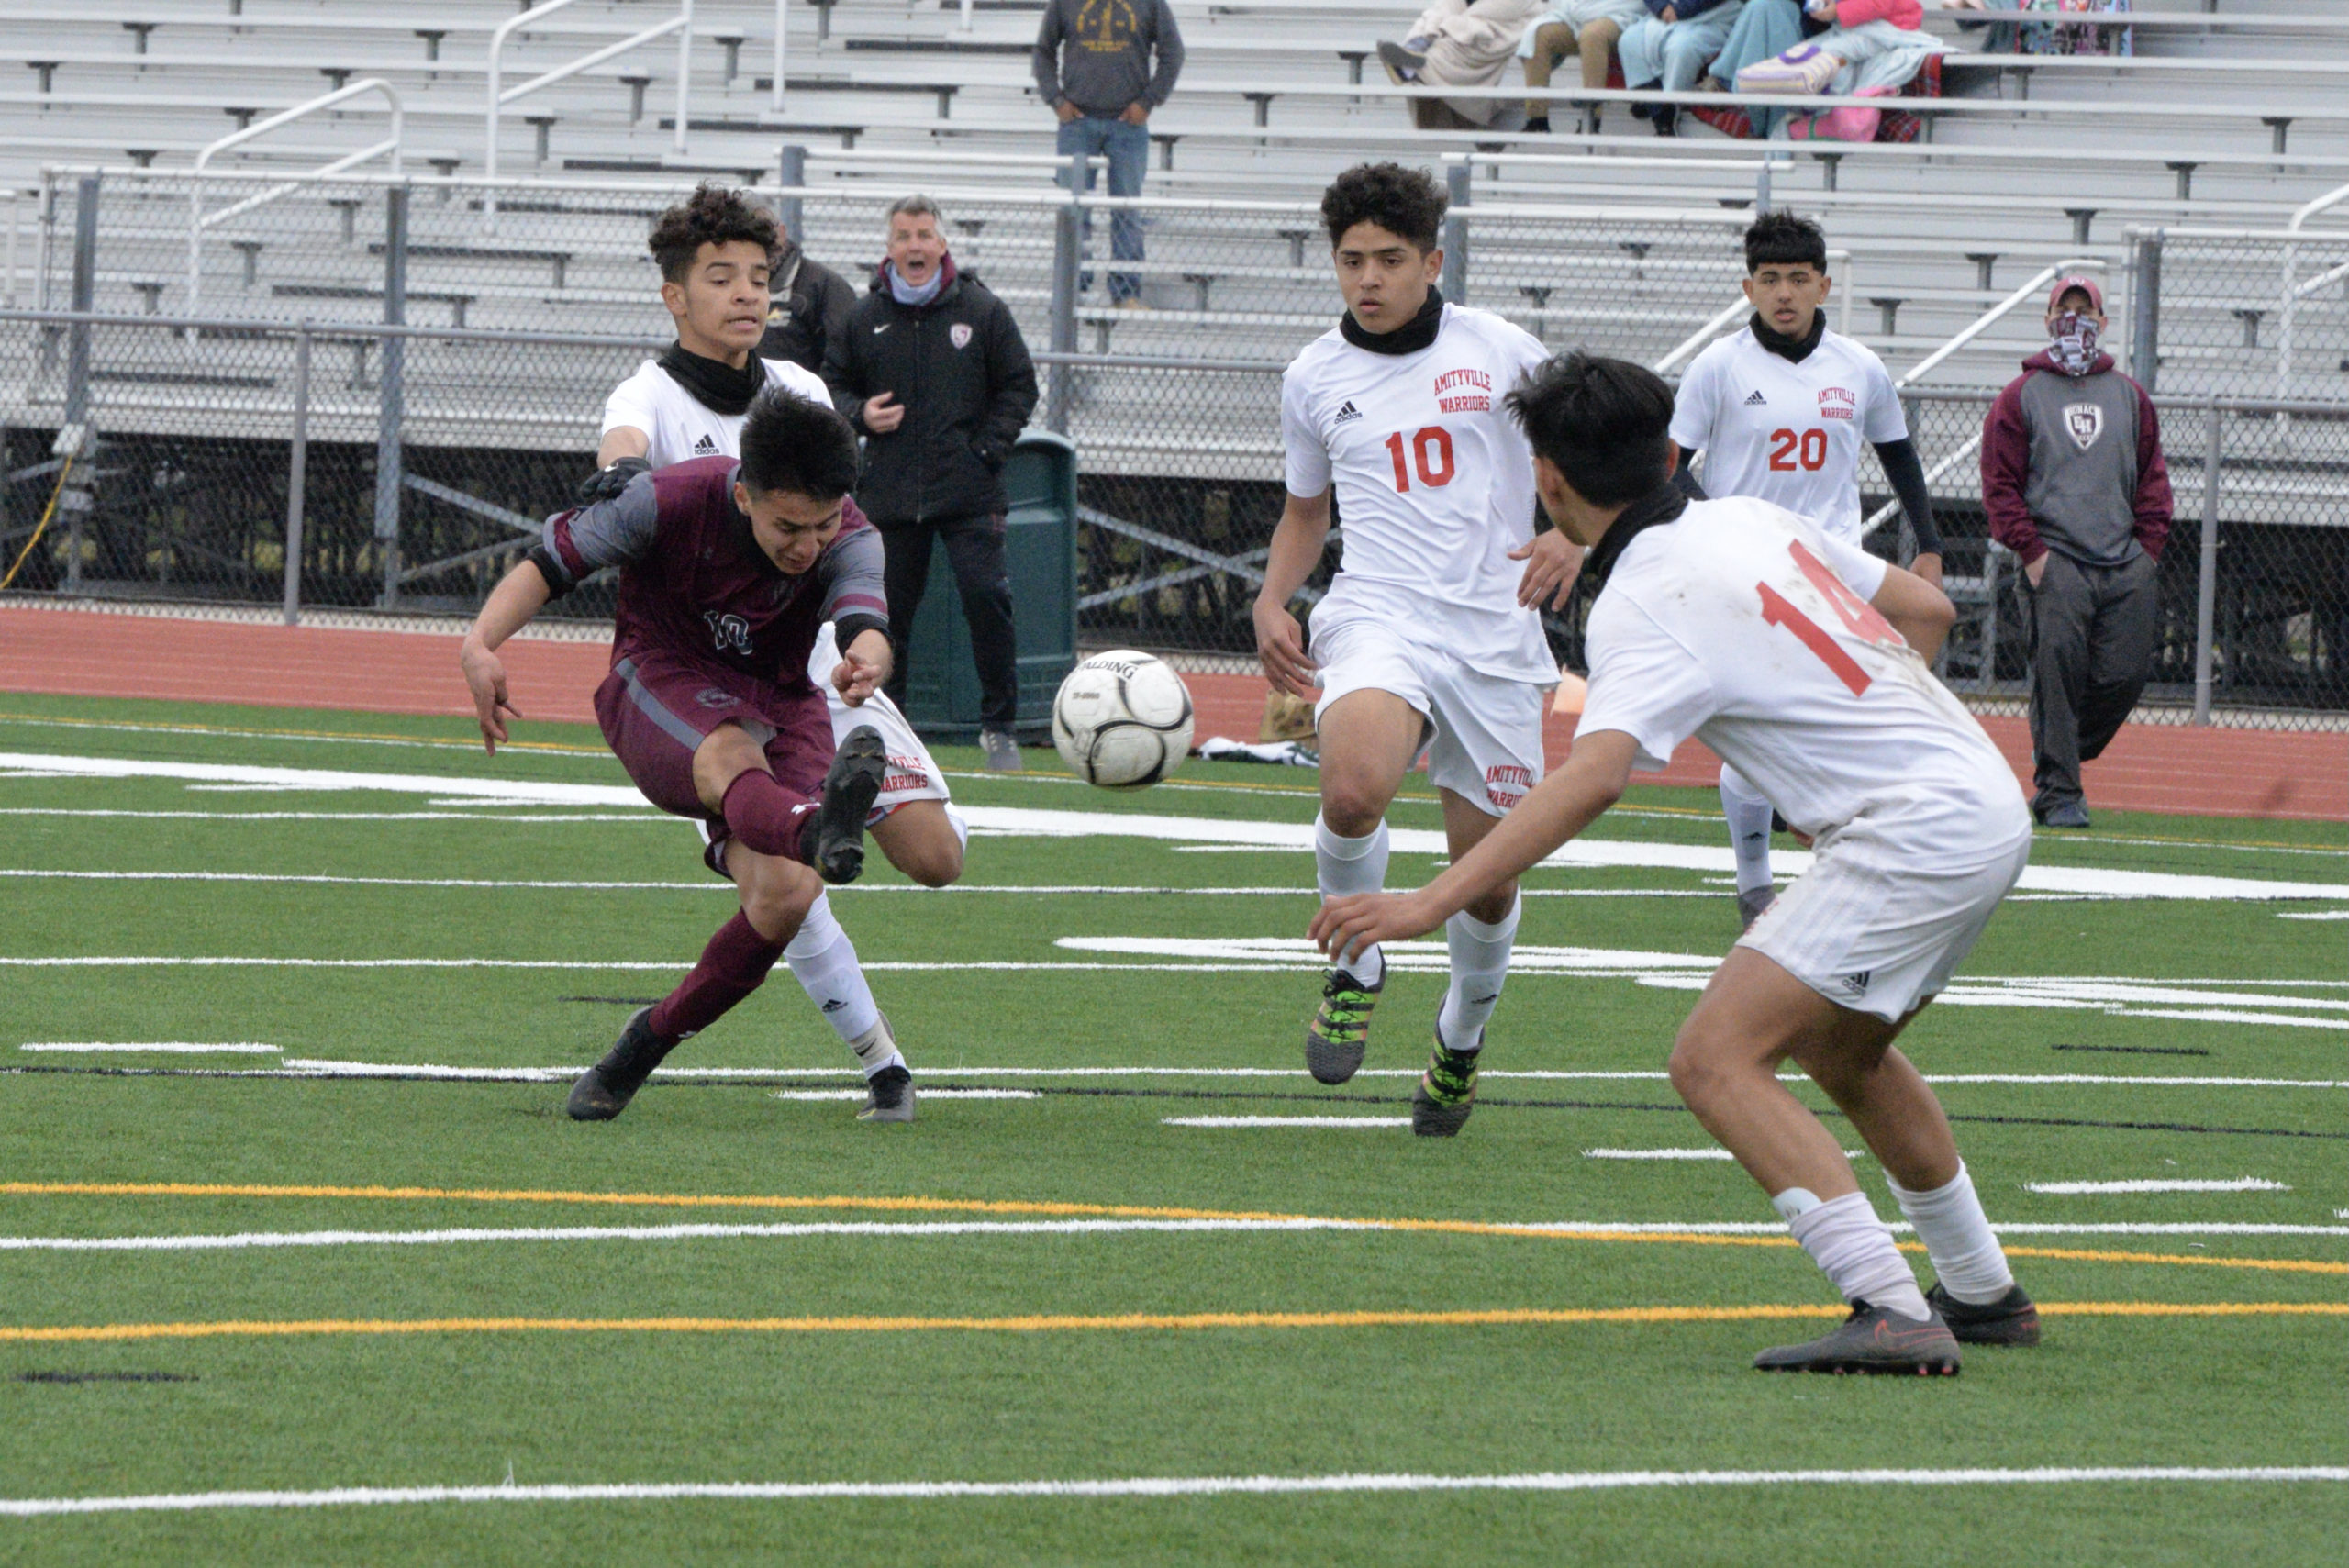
{"points": [[1586, 28], [807, 305], [932, 371], [2050, 38], [1093, 61], [1459, 43], [1671, 47], [1764, 29], [2073, 482]]}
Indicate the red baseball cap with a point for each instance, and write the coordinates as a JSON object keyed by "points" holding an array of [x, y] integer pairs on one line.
{"points": [[2086, 284]]}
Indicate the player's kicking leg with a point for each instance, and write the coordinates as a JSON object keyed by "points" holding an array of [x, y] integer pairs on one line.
{"points": [[1368, 737], [1754, 1015], [1749, 836]]}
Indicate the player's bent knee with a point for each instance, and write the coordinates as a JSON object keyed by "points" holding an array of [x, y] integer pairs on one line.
{"points": [[921, 842], [1352, 808], [724, 755], [776, 893]]}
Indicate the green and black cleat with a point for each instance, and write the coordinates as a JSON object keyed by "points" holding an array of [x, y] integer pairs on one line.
{"points": [[889, 1095], [2012, 1319], [1340, 1032], [850, 786], [1872, 1339], [1447, 1090], [605, 1089]]}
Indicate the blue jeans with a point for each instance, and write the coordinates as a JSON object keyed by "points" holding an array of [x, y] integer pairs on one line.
{"points": [[1127, 147], [1674, 54]]}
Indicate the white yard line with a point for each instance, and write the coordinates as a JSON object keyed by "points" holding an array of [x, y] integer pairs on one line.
{"points": [[1165, 1487], [2320, 915], [174, 1047], [2084, 1189], [1338, 1121], [928, 1093], [711, 884]]}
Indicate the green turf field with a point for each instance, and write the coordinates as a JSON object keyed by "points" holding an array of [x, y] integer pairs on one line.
{"points": [[1050, 1277]]}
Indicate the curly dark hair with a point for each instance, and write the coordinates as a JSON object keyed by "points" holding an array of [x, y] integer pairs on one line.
{"points": [[1783, 239], [1606, 424], [1405, 201], [711, 215], [796, 444]]}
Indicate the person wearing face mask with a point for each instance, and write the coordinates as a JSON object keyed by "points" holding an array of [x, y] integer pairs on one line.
{"points": [[2073, 482]]}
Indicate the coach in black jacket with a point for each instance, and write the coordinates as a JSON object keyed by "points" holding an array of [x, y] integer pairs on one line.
{"points": [[932, 369], [807, 305]]}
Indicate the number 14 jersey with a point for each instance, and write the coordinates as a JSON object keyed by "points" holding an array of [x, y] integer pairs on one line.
{"points": [[1434, 486]]}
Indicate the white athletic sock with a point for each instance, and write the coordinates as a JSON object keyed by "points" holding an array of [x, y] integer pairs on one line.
{"points": [[876, 1047], [1479, 964], [1749, 830], [1855, 1252], [824, 959], [1967, 1256], [1342, 866]]}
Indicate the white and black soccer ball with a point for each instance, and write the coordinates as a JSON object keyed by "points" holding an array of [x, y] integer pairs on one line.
{"points": [[1122, 719]]}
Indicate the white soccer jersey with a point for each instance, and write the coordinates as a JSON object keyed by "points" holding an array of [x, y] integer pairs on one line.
{"points": [[1749, 628], [1434, 486], [1788, 433], [682, 427]]}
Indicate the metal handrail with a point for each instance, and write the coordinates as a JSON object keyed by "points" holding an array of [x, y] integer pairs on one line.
{"points": [[681, 24], [2301, 216], [390, 146]]}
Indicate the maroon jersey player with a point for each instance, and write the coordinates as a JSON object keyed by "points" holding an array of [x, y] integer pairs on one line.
{"points": [[727, 569]]}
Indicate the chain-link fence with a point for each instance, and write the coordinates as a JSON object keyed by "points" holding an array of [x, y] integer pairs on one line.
{"points": [[2247, 314]]}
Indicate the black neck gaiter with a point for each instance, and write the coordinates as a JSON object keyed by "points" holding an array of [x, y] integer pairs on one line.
{"points": [[1795, 348], [715, 385], [1408, 338], [1659, 505]]}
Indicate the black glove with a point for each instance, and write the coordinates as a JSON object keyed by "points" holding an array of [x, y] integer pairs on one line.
{"points": [[605, 483]]}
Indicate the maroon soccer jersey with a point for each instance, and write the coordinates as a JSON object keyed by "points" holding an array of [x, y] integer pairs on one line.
{"points": [[695, 584]]}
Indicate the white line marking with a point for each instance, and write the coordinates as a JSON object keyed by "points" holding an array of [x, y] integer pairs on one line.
{"points": [[1348, 1122], [2317, 915], [178, 1047], [1161, 1486], [711, 884], [927, 1092], [2231, 1015], [1165, 828], [1657, 1154], [2077, 1189], [639, 817]]}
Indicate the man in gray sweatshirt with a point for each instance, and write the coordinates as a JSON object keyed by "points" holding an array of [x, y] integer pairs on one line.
{"points": [[1093, 66], [2073, 482]]}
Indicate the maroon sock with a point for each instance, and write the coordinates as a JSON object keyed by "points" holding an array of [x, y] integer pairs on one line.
{"points": [[767, 817], [731, 967]]}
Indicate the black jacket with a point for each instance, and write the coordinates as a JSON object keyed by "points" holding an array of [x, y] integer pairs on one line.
{"points": [[960, 369], [807, 304]]}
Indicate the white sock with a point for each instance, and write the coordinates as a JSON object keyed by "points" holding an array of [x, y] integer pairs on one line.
{"points": [[1479, 964], [1855, 1252], [876, 1047], [1967, 1257], [824, 960], [1749, 830], [1352, 865]]}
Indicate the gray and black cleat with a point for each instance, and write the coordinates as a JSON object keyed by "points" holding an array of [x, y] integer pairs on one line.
{"points": [[1872, 1339], [850, 786], [1447, 1090], [1340, 1032], [605, 1089], [889, 1095], [1752, 903], [2012, 1319]]}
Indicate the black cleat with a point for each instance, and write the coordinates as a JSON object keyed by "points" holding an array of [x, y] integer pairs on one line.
{"points": [[850, 786], [2012, 1319], [1340, 1032], [890, 1097], [605, 1089], [1872, 1339], [1447, 1090]]}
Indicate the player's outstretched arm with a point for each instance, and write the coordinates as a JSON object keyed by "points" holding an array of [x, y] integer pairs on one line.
{"points": [[1919, 611], [1295, 549], [518, 596], [865, 666], [1558, 807]]}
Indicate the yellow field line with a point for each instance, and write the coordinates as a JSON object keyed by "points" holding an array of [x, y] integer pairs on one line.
{"points": [[1081, 1322], [1029, 1206]]}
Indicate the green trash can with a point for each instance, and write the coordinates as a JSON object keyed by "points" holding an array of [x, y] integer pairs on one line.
{"points": [[1040, 549]]}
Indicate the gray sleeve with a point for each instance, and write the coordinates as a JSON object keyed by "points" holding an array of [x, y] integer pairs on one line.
{"points": [[1170, 57], [849, 570], [1046, 62], [610, 533]]}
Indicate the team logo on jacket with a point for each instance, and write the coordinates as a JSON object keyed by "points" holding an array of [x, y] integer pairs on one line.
{"points": [[959, 334], [1463, 391], [2084, 422], [1836, 403]]}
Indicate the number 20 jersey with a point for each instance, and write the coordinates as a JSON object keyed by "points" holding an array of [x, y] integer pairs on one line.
{"points": [[1434, 484], [1785, 432], [1749, 628]]}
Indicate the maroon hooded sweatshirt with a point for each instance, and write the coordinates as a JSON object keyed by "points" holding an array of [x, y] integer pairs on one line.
{"points": [[2075, 464]]}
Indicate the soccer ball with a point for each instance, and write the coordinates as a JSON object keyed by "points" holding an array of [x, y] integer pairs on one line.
{"points": [[1122, 719]]}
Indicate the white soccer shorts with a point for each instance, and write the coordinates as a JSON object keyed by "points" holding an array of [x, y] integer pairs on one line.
{"points": [[1875, 930], [1485, 733]]}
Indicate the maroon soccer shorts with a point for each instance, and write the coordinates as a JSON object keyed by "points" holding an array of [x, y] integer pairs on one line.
{"points": [[657, 709]]}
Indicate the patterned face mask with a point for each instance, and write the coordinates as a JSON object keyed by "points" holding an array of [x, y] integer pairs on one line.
{"points": [[2074, 349]]}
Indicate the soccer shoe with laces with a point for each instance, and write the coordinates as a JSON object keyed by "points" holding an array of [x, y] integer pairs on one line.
{"points": [[850, 786], [2012, 1319], [1872, 1339], [1340, 1032], [1447, 1090], [889, 1095], [605, 1089]]}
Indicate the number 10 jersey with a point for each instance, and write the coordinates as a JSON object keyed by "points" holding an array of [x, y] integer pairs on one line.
{"points": [[1434, 487]]}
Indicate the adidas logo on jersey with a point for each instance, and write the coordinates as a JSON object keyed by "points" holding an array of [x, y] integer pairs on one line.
{"points": [[1857, 985], [705, 447], [1348, 412], [1755, 400]]}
